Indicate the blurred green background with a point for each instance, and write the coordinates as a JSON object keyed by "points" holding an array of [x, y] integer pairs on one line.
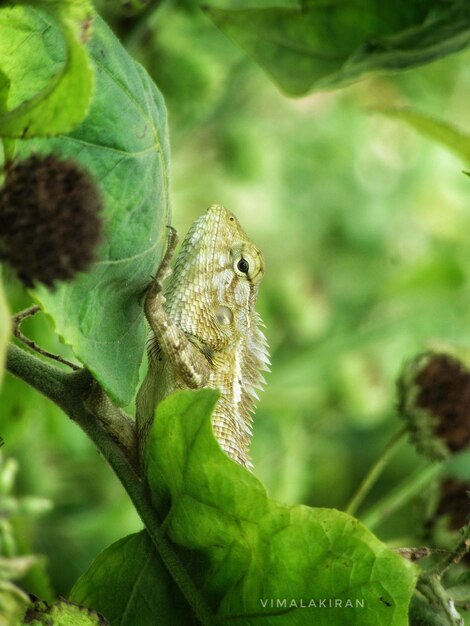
{"points": [[364, 225]]}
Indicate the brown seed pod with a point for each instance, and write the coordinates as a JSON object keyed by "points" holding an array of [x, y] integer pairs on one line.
{"points": [[454, 502], [50, 219], [434, 399]]}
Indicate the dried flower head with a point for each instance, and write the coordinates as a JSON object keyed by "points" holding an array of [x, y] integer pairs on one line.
{"points": [[454, 502], [434, 398], [50, 219]]}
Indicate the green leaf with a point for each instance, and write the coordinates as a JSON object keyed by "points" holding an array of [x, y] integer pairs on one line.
{"points": [[62, 613], [46, 78], [4, 328], [256, 550], [438, 130], [13, 568], [323, 45], [123, 142], [129, 585], [13, 603]]}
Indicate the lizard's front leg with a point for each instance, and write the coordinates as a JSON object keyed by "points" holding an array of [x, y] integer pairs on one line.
{"points": [[182, 357], [185, 358]]}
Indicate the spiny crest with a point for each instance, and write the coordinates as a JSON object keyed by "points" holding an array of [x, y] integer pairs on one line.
{"points": [[255, 361]]}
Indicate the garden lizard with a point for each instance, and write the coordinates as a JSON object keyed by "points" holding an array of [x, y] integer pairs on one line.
{"points": [[205, 331]]}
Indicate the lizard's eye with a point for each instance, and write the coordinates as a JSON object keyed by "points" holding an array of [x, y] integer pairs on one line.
{"points": [[243, 266], [247, 262]]}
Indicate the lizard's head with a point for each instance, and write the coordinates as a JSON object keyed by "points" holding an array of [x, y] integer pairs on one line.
{"points": [[233, 252], [213, 290]]}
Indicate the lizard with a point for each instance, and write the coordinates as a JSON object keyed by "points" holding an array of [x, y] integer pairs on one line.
{"points": [[204, 329]]}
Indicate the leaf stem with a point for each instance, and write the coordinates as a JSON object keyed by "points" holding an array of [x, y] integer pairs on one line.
{"points": [[430, 588], [136, 490], [399, 496], [456, 555], [51, 381], [375, 472], [70, 392], [17, 321]]}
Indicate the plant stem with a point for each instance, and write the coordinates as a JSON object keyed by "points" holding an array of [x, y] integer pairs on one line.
{"points": [[70, 391], [399, 496], [431, 605], [455, 556], [136, 491], [49, 380], [18, 319], [375, 472]]}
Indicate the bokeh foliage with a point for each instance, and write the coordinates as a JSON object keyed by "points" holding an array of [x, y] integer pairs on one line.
{"points": [[364, 225], [306, 45]]}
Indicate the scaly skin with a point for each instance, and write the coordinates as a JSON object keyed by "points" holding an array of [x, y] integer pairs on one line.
{"points": [[205, 331]]}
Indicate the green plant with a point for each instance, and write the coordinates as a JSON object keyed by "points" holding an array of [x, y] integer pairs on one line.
{"points": [[215, 548]]}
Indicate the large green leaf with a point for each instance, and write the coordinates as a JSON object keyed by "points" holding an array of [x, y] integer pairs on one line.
{"points": [[258, 550], [438, 130], [123, 142], [46, 80], [254, 560], [129, 585], [322, 45]]}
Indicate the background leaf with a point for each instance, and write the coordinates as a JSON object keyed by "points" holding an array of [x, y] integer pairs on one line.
{"points": [[129, 585], [123, 142], [438, 130], [13, 602], [4, 328], [326, 45], [256, 549], [46, 78]]}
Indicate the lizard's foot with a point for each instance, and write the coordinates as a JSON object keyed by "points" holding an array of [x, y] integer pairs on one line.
{"points": [[154, 298], [164, 271]]}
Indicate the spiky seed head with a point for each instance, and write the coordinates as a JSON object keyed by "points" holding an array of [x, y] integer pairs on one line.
{"points": [[50, 219], [454, 502], [434, 399]]}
